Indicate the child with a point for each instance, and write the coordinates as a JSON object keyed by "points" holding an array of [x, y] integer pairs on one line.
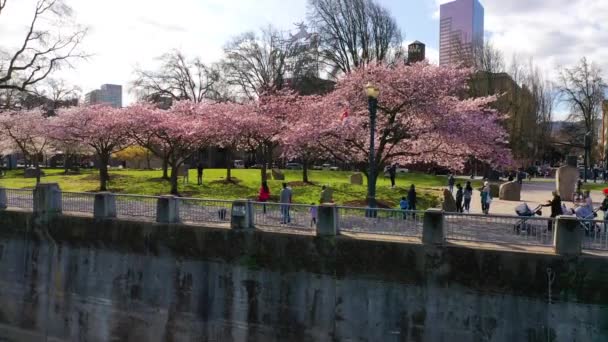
{"points": [[404, 205], [313, 215], [459, 198]]}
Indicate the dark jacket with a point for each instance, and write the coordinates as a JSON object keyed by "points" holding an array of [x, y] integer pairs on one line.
{"points": [[604, 206], [556, 206], [459, 195], [411, 197]]}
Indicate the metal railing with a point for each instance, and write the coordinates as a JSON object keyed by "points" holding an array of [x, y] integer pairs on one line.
{"points": [[499, 229], [20, 198], [136, 206], [78, 202], [595, 237], [380, 221], [294, 216], [204, 210]]}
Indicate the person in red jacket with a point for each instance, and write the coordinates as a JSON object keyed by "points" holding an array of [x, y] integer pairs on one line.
{"points": [[264, 195]]}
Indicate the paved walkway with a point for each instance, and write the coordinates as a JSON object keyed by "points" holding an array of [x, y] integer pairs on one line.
{"points": [[534, 193]]}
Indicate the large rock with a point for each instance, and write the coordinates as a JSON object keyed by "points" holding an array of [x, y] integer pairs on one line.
{"points": [[449, 203], [356, 179], [565, 182], [32, 173], [277, 174], [510, 191]]}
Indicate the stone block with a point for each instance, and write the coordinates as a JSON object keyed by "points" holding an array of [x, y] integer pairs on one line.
{"points": [[47, 201], [565, 182], [356, 179], [167, 210], [241, 215], [568, 236], [277, 174], [449, 203], [104, 206], [32, 173], [327, 220], [432, 229], [510, 191]]}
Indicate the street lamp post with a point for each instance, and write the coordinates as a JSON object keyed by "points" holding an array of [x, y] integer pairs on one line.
{"points": [[372, 101], [587, 143]]}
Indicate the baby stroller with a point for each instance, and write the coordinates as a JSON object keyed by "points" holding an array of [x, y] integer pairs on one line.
{"points": [[524, 211], [586, 215]]}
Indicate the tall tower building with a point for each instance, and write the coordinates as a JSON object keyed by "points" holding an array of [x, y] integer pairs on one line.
{"points": [[461, 29], [110, 94], [416, 52]]}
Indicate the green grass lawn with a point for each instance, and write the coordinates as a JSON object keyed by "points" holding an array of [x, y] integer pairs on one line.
{"points": [[246, 185]]}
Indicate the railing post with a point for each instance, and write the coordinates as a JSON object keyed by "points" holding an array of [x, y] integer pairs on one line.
{"points": [[47, 201], [433, 228], [167, 209], [241, 215], [104, 205], [567, 236], [3, 199], [327, 220]]}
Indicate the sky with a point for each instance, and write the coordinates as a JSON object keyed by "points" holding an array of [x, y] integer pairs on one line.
{"points": [[125, 34]]}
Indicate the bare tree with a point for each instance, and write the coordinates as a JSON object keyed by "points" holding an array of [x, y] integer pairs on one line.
{"points": [[177, 78], [354, 33], [44, 49], [255, 63], [582, 87]]}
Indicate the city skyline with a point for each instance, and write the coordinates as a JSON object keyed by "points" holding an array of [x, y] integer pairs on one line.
{"points": [[142, 30]]}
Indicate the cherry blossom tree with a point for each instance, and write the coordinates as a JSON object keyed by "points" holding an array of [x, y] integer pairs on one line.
{"points": [[29, 131], [176, 133], [421, 118], [100, 127]]}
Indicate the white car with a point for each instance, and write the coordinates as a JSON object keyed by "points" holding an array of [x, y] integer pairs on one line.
{"points": [[330, 167], [399, 170], [239, 164]]}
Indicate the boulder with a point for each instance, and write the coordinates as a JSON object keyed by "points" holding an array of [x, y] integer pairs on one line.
{"points": [[565, 182], [449, 203], [510, 191], [277, 174], [356, 179], [32, 173]]}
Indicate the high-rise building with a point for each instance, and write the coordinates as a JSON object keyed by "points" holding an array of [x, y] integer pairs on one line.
{"points": [[461, 29], [110, 94]]}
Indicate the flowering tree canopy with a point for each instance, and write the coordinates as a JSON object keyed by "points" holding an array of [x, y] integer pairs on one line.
{"points": [[421, 118], [174, 134], [101, 127], [29, 132]]}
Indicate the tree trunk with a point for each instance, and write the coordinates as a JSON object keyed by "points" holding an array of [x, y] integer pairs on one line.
{"points": [[165, 168], [103, 172], [305, 171], [174, 176], [37, 166], [148, 162], [229, 166]]}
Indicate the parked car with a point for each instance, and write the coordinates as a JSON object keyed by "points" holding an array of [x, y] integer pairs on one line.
{"points": [[256, 166], [330, 167], [317, 167], [293, 166], [239, 164]]}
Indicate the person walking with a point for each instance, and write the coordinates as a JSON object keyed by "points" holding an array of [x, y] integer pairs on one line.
{"points": [[588, 199], [459, 198], [556, 209], [199, 173], [264, 195], [412, 199], [285, 200], [451, 182], [325, 195], [604, 208], [467, 196], [392, 172], [486, 198]]}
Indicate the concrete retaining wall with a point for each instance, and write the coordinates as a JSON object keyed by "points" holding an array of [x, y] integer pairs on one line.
{"points": [[78, 279]]}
